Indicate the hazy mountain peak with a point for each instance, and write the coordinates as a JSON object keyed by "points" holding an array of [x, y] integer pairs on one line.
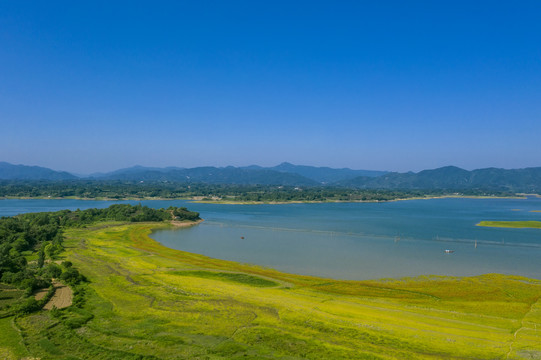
{"points": [[24, 172]]}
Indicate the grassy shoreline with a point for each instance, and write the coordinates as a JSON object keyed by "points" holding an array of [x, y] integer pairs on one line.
{"points": [[512, 224], [88, 199], [151, 301]]}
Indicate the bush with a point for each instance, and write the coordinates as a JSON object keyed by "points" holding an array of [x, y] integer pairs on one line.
{"points": [[78, 296], [71, 276], [52, 271], [78, 317], [28, 306]]}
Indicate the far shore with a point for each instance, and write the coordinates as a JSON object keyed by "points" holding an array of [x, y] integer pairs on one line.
{"points": [[88, 199], [232, 202], [199, 199]]}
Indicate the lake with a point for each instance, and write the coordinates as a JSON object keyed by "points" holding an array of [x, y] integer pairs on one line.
{"points": [[352, 240]]}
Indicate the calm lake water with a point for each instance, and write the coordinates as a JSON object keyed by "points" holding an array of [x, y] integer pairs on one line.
{"points": [[352, 240]]}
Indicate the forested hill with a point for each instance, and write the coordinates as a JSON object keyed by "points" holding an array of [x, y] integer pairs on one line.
{"points": [[23, 172], [283, 174], [323, 175], [526, 180], [211, 175]]}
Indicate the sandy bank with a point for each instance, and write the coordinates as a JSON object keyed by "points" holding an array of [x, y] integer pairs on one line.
{"points": [[183, 224]]}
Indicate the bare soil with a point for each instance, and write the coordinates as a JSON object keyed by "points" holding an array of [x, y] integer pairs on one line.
{"points": [[62, 297], [181, 224], [40, 294]]}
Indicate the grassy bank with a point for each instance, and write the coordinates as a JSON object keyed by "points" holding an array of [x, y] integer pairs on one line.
{"points": [[512, 224], [146, 301]]}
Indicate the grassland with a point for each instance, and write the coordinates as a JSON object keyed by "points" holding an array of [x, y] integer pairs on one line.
{"points": [[512, 224], [146, 301], [11, 347], [8, 296]]}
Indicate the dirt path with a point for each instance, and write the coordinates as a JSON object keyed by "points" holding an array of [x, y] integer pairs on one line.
{"points": [[62, 297]]}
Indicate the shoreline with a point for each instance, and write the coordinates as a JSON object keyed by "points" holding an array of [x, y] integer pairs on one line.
{"points": [[197, 199], [153, 226], [185, 223], [229, 202], [87, 199], [146, 242]]}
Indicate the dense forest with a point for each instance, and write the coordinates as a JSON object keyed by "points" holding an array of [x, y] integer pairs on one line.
{"points": [[30, 244], [100, 189]]}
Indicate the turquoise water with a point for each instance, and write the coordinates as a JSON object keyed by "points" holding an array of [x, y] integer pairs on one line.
{"points": [[353, 240]]}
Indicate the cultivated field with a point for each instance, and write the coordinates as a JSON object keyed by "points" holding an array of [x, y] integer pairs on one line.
{"points": [[145, 301]]}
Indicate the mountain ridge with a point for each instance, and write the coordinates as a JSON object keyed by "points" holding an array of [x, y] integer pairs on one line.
{"points": [[325, 174], [452, 177], [306, 175], [26, 172], [286, 174]]}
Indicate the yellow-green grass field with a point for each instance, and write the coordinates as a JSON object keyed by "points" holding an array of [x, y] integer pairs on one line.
{"points": [[146, 301], [512, 224]]}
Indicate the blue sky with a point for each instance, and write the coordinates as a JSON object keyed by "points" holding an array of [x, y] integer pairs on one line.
{"points": [[384, 85]]}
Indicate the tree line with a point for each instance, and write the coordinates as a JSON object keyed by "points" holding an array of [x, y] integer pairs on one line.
{"points": [[30, 244], [95, 189]]}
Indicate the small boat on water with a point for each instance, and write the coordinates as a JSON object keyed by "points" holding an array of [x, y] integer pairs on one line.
{"points": [[242, 237], [447, 251]]}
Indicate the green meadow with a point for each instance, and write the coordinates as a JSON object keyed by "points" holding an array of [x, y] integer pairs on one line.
{"points": [[146, 301], [512, 224]]}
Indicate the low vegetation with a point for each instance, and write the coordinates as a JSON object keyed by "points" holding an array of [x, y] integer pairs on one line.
{"points": [[229, 277], [512, 224], [146, 301]]}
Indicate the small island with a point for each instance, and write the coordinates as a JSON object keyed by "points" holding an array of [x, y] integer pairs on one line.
{"points": [[512, 224]]}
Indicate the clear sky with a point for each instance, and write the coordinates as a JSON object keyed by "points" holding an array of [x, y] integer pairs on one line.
{"points": [[384, 85]]}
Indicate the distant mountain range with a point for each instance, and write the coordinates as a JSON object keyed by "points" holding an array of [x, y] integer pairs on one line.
{"points": [[211, 175], [445, 178], [283, 174], [526, 180]]}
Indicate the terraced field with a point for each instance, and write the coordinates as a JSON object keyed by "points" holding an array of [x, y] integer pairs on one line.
{"points": [[145, 301]]}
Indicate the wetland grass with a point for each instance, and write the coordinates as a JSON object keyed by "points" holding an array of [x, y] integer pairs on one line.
{"points": [[146, 301], [512, 224]]}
